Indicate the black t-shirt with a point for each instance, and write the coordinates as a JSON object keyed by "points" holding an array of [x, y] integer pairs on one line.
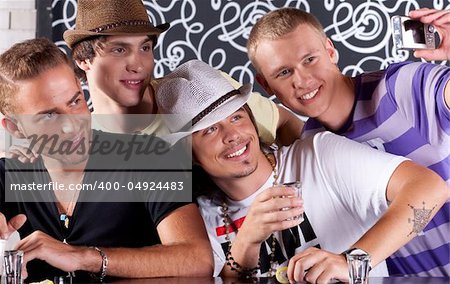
{"points": [[102, 224]]}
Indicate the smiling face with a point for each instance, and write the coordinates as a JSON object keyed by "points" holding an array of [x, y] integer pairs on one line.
{"points": [[228, 149], [53, 104], [299, 68], [121, 71]]}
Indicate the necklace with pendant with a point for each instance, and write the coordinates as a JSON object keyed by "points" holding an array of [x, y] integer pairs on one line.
{"points": [[65, 216], [227, 220]]}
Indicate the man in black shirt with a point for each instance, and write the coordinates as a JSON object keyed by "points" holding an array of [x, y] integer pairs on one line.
{"points": [[117, 222]]}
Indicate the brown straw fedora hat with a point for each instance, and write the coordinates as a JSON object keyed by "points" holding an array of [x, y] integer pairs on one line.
{"points": [[111, 17]]}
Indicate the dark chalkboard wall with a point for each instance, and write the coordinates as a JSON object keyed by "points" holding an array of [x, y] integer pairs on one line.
{"points": [[216, 31]]}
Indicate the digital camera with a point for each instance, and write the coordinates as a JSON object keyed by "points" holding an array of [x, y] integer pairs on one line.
{"points": [[412, 34]]}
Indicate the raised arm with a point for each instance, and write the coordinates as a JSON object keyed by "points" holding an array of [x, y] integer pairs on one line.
{"points": [[440, 19]]}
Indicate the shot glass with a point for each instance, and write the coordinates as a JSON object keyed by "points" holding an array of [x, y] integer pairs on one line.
{"points": [[297, 186], [13, 266], [358, 267]]}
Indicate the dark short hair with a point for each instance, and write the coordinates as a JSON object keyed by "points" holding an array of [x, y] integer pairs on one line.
{"points": [[87, 48]]}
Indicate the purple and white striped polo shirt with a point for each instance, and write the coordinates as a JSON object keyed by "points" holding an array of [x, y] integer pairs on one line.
{"points": [[401, 110]]}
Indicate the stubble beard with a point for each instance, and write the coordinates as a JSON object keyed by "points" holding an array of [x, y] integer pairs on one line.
{"points": [[247, 171]]}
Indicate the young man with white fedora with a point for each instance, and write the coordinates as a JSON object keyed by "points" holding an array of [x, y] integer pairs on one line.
{"points": [[354, 197], [112, 44]]}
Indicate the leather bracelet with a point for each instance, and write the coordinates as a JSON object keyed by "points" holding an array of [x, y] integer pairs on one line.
{"points": [[104, 268]]}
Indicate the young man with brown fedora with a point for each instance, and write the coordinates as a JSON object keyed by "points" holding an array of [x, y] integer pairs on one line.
{"points": [[404, 109], [79, 207], [353, 197], [112, 44]]}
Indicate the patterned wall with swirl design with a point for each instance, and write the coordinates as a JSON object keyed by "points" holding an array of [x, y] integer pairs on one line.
{"points": [[216, 31]]}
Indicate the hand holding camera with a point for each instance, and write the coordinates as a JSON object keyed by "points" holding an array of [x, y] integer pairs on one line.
{"points": [[409, 33], [440, 21]]}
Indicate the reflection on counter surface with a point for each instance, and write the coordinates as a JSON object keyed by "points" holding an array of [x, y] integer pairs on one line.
{"points": [[218, 280]]}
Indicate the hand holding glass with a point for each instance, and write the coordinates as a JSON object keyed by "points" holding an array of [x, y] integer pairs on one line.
{"points": [[297, 186]]}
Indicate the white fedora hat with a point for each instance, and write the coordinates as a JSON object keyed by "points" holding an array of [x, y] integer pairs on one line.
{"points": [[196, 96]]}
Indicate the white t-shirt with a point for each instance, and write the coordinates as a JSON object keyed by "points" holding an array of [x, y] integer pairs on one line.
{"points": [[344, 192]]}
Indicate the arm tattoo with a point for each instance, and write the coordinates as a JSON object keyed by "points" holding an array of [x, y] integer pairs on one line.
{"points": [[421, 218]]}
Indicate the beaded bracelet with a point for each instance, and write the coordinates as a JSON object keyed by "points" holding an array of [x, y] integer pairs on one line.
{"points": [[242, 272], [104, 268]]}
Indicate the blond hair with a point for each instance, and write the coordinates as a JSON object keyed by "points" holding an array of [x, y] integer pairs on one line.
{"points": [[276, 24], [23, 61]]}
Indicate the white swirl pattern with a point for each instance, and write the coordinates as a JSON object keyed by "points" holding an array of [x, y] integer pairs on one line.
{"points": [[216, 31]]}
